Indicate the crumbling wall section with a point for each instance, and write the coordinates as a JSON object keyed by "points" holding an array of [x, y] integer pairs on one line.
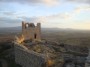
{"points": [[38, 31], [28, 58]]}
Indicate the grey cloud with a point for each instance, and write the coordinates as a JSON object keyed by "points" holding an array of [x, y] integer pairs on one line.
{"points": [[43, 1], [22, 1], [9, 20], [80, 1], [8, 13], [5, 21], [45, 18], [32, 2], [17, 20], [29, 19]]}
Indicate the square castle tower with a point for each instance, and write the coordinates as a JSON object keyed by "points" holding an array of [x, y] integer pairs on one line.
{"points": [[30, 31]]}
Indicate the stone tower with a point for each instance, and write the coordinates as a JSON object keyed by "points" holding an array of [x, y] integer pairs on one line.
{"points": [[30, 31]]}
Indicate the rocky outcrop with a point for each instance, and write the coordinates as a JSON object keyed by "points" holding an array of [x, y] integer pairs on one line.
{"points": [[87, 64], [50, 54], [28, 58]]}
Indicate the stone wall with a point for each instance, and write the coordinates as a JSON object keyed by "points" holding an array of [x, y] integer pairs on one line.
{"points": [[30, 31], [27, 58]]}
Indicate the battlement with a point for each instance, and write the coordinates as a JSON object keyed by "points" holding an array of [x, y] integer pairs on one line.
{"points": [[28, 25]]}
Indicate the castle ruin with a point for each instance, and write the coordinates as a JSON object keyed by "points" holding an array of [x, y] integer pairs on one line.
{"points": [[30, 31]]}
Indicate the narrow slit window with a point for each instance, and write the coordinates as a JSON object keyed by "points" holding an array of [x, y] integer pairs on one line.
{"points": [[35, 36]]}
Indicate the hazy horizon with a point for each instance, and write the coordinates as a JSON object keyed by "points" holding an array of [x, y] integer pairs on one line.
{"points": [[48, 28]]}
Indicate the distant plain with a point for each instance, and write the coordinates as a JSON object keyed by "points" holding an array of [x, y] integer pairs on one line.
{"points": [[68, 36]]}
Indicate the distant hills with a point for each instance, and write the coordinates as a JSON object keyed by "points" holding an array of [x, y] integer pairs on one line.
{"points": [[19, 29], [10, 29]]}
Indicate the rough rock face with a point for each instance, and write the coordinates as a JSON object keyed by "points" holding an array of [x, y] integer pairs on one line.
{"points": [[48, 54], [87, 64], [28, 58], [75, 56]]}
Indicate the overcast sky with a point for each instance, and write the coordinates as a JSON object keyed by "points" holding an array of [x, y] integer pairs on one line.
{"points": [[50, 13]]}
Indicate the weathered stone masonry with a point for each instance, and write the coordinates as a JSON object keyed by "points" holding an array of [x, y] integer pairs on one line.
{"points": [[30, 31]]}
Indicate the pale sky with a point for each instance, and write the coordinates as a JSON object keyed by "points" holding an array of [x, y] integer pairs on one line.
{"points": [[73, 14]]}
